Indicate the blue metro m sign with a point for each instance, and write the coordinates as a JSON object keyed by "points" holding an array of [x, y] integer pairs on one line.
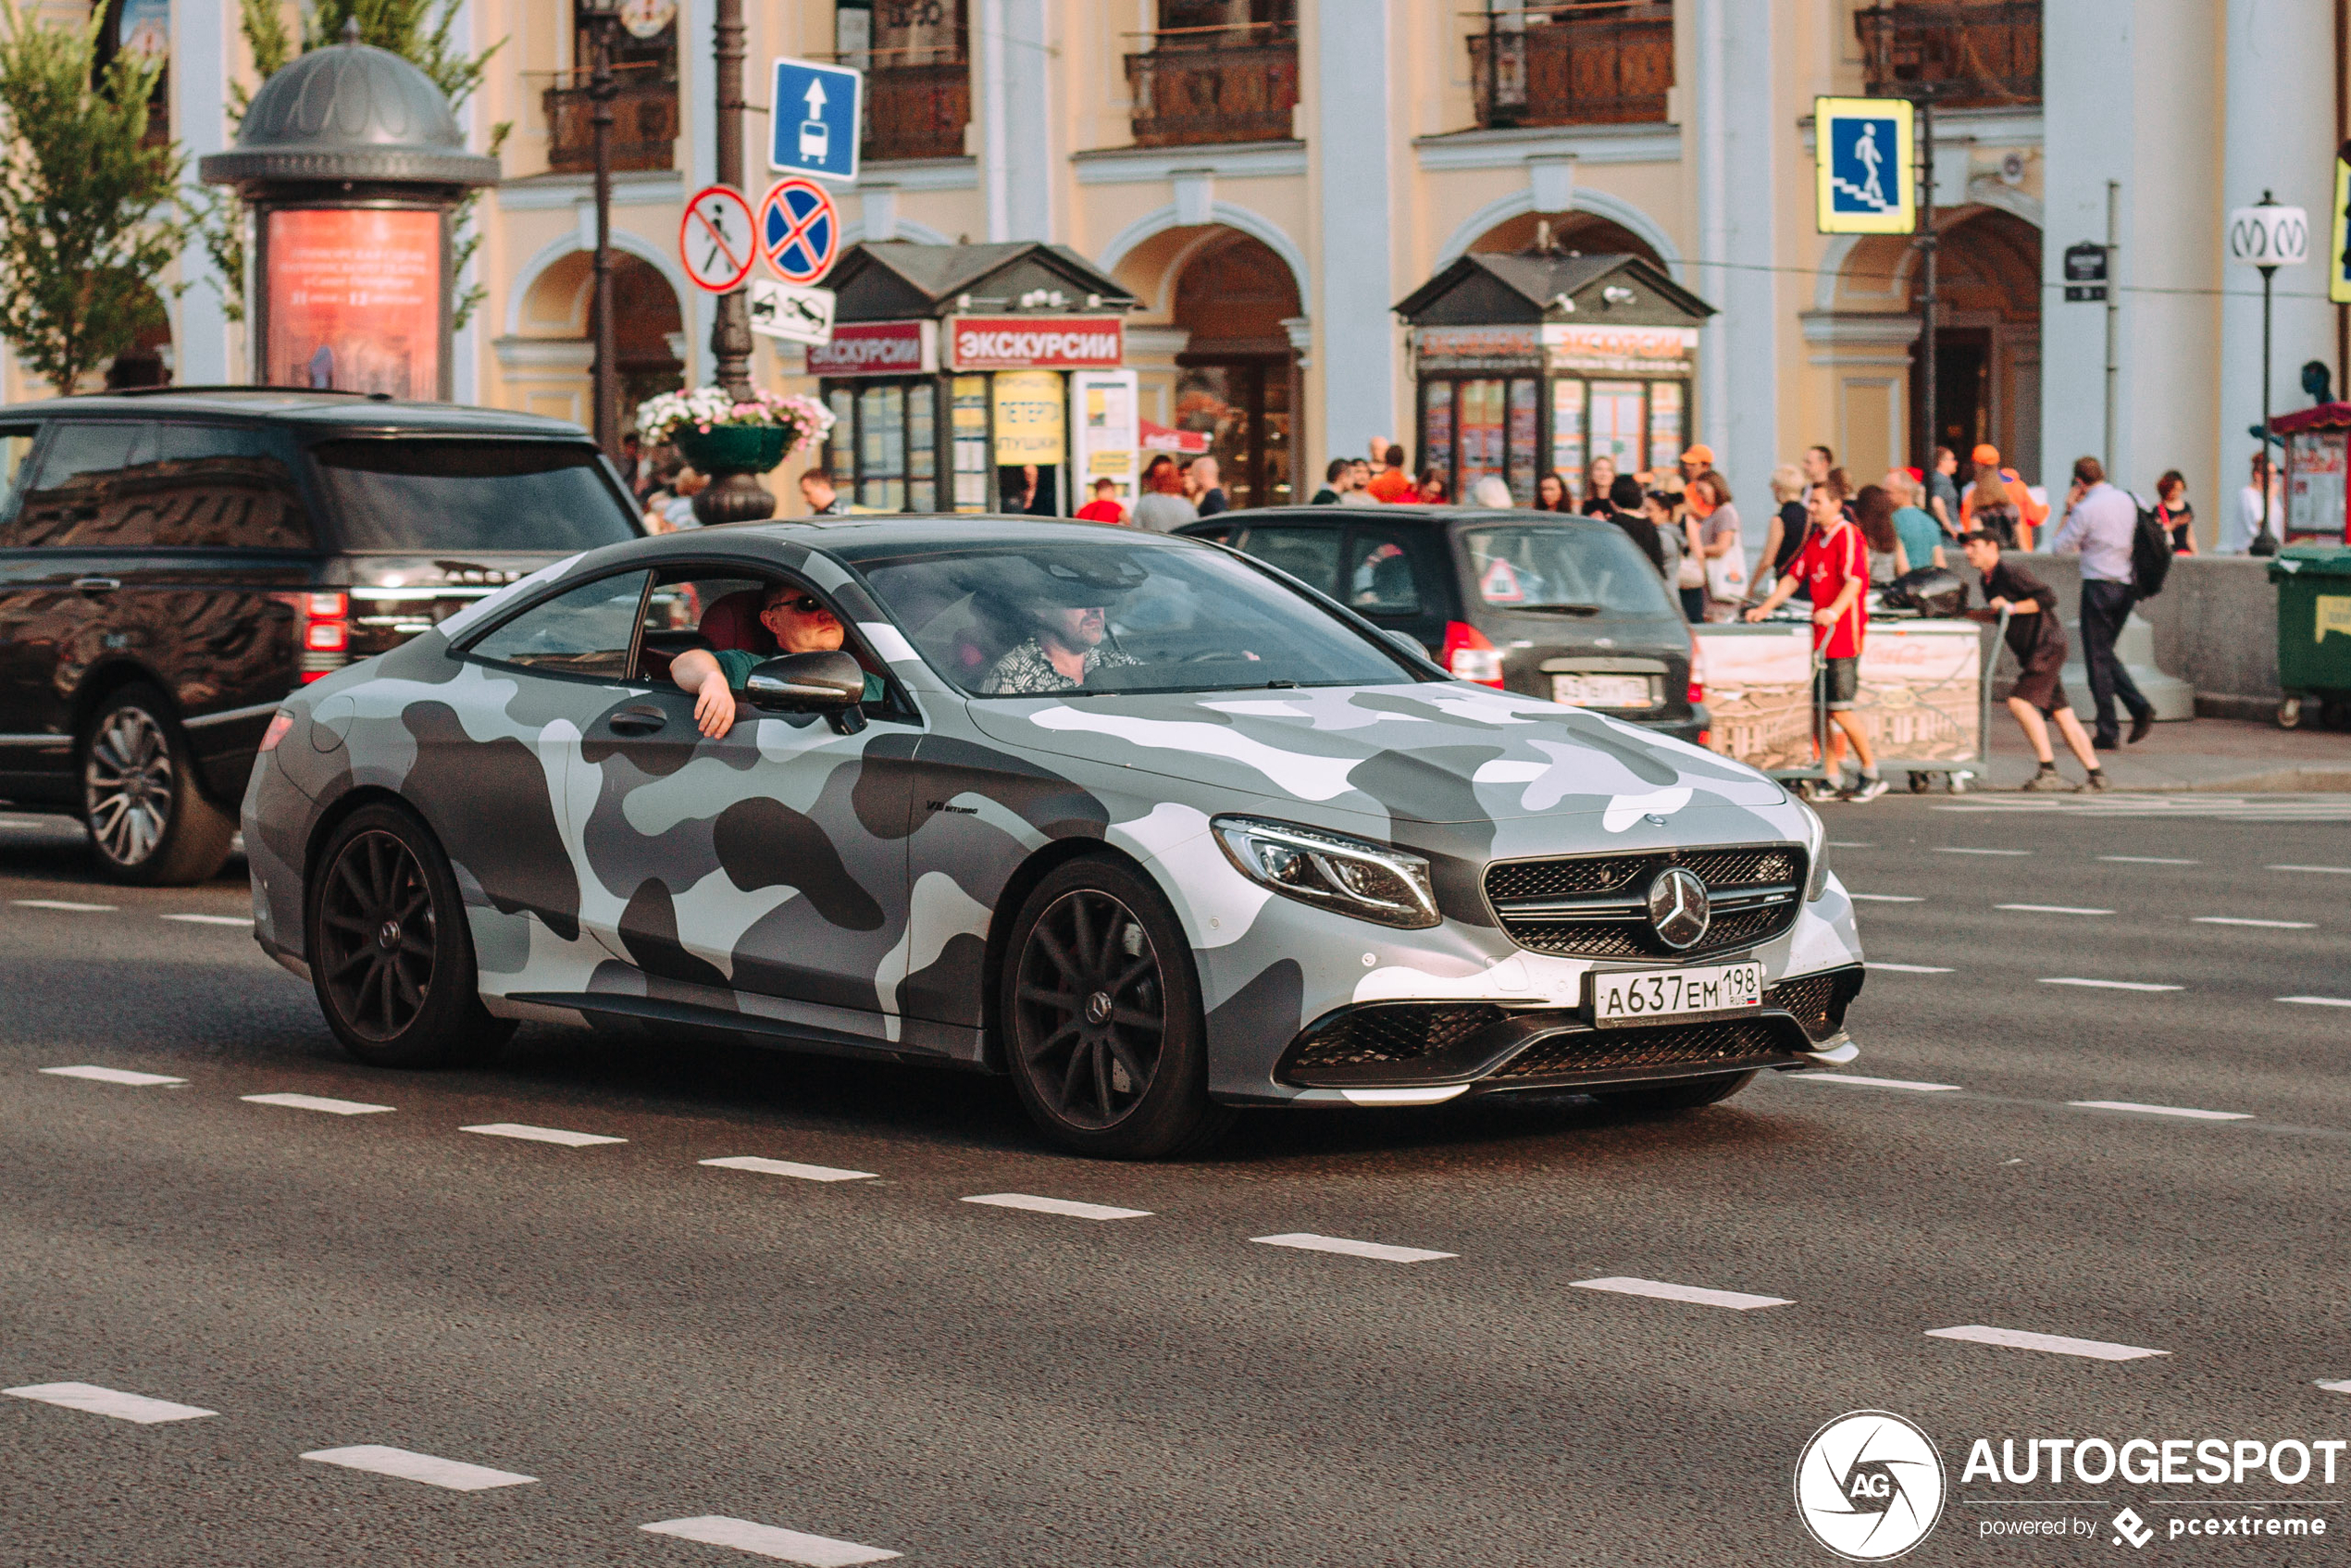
{"points": [[813, 120]]}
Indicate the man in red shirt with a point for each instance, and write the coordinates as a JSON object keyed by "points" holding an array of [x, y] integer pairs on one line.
{"points": [[1105, 507], [1392, 484], [1835, 565]]}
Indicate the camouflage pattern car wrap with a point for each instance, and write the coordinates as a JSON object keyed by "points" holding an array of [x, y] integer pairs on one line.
{"points": [[850, 891]]}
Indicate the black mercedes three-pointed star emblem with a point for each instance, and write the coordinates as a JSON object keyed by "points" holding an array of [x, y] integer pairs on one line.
{"points": [[1679, 911]]}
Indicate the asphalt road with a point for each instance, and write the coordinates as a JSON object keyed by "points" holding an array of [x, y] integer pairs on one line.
{"points": [[881, 1363]]}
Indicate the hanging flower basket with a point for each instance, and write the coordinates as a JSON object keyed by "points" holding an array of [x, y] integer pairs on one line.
{"points": [[718, 435]]}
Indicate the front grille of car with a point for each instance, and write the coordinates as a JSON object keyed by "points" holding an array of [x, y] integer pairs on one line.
{"points": [[1818, 1001], [1388, 1032], [1720, 1043], [1594, 906]]}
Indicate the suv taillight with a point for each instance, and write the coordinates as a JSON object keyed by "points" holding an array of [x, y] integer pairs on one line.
{"points": [[1469, 657], [326, 633]]}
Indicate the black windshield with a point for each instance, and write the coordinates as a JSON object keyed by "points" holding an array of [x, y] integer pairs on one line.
{"points": [[435, 493]]}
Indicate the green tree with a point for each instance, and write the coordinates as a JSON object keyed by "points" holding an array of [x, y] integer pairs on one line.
{"points": [[88, 220], [417, 30]]}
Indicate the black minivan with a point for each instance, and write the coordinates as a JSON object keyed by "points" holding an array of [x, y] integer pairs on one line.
{"points": [[173, 563], [1547, 603]]}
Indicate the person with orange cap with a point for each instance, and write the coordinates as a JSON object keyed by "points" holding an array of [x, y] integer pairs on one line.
{"points": [[2031, 513], [1696, 461]]}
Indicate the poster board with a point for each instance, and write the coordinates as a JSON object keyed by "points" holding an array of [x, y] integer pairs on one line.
{"points": [[2315, 465], [1030, 426], [1103, 412], [1922, 691], [1759, 691], [353, 300]]}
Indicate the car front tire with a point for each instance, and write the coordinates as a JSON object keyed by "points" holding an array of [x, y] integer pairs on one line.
{"points": [[1100, 1011], [150, 825], [390, 955]]}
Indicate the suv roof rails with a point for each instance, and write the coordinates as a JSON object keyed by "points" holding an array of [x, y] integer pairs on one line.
{"points": [[236, 387]]}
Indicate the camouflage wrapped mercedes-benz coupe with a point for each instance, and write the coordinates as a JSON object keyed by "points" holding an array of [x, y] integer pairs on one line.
{"points": [[1147, 824]]}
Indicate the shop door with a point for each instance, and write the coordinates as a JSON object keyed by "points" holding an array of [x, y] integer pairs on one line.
{"points": [[1242, 407]]}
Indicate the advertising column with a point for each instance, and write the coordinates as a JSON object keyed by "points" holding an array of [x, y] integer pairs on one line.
{"points": [[353, 300], [1024, 357]]}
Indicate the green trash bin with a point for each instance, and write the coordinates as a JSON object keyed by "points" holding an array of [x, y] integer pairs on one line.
{"points": [[2314, 629]]}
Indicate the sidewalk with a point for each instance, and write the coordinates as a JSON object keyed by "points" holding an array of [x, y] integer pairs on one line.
{"points": [[2205, 754]]}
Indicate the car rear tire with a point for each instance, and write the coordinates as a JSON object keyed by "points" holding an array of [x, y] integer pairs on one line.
{"points": [[1098, 1005], [150, 825], [1678, 1095], [390, 955]]}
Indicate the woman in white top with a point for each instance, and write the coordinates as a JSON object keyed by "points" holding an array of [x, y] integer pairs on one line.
{"points": [[2257, 504]]}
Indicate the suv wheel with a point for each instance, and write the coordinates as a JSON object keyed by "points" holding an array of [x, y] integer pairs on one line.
{"points": [[390, 955], [1101, 1018], [149, 823]]}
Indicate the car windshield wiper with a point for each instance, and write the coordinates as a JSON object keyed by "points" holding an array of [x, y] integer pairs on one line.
{"points": [[1551, 609]]}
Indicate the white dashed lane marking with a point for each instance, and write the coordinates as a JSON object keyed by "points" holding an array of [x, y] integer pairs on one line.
{"points": [[767, 1541], [2342, 1386], [1908, 969], [1061, 1206], [541, 1134], [212, 919], [316, 1102], [2325, 870], [108, 1402], [1885, 897], [785, 1168], [2106, 985], [2052, 909], [1849, 844], [112, 1076], [2147, 860], [433, 1472], [2266, 925], [70, 908], [2162, 1110], [1736, 1301], [1948, 851], [1306, 1242], [2320, 1001], [1856, 1078], [2055, 1344]]}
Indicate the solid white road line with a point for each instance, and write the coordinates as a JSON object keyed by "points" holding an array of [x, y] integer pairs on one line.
{"points": [[1884, 898], [1869, 1083], [1907, 968], [2162, 1110], [108, 1402], [2266, 925], [2320, 1001], [2055, 1344], [212, 919], [2108, 985], [111, 1076], [2329, 870], [1306, 1242], [1659, 1288], [541, 1134], [408, 1466], [2342, 1386], [2052, 909], [71, 908], [785, 1168], [766, 1540], [2147, 860], [1947, 851], [1849, 844], [316, 1102], [1057, 1206]]}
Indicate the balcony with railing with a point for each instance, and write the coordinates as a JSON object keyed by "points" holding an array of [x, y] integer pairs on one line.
{"points": [[1967, 53], [1206, 84], [916, 107], [645, 119], [1587, 62]]}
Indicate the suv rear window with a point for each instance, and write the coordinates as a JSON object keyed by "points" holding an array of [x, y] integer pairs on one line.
{"points": [[1564, 567], [433, 493]]}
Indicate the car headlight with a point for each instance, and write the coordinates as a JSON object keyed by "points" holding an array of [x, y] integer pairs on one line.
{"points": [[1354, 877], [1816, 852]]}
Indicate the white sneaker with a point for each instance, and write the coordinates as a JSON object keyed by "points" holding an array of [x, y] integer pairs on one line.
{"points": [[1868, 789]]}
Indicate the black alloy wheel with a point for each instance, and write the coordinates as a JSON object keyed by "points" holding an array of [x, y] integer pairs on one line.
{"points": [[150, 825], [1101, 1016], [390, 956]]}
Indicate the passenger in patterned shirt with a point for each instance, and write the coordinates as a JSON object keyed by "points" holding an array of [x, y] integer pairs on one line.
{"points": [[1065, 651]]}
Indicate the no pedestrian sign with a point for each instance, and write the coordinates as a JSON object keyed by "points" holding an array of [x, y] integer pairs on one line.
{"points": [[714, 238], [813, 120], [1864, 163]]}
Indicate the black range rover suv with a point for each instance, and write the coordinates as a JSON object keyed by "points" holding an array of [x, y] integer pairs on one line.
{"points": [[172, 563]]}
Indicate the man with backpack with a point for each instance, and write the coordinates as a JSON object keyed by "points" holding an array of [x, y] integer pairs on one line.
{"points": [[2102, 523]]}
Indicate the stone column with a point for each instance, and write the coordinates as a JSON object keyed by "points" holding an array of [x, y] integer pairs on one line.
{"points": [[1355, 235], [199, 92], [1737, 140]]}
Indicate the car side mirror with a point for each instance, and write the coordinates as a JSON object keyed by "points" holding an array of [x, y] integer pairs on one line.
{"points": [[831, 683]]}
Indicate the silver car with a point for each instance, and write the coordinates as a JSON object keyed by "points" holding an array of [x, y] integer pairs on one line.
{"points": [[1145, 823]]}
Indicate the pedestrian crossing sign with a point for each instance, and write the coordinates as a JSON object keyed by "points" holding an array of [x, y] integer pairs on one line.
{"points": [[1867, 166]]}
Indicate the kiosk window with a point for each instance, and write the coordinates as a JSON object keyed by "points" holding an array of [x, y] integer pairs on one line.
{"points": [[883, 451]]}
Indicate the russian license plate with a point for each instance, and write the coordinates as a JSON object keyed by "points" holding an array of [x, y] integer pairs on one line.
{"points": [[1603, 690], [1630, 997]]}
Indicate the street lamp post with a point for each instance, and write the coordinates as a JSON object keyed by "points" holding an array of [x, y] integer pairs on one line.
{"points": [[733, 496], [601, 16]]}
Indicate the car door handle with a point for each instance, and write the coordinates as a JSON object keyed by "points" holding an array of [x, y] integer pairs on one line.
{"points": [[97, 584], [637, 721]]}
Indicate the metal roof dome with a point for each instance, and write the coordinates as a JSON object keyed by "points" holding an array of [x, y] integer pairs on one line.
{"points": [[349, 111]]}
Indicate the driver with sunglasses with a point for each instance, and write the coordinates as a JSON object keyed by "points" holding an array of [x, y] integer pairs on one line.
{"points": [[800, 624]]}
